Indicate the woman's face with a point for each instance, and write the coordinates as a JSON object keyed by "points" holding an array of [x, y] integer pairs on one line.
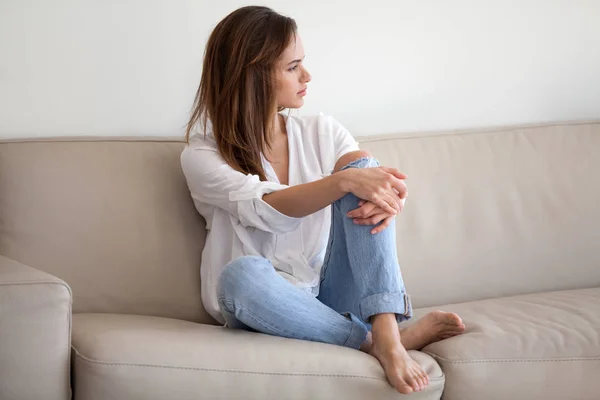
{"points": [[292, 77]]}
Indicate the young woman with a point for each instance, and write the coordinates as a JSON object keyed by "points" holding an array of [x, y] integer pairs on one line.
{"points": [[301, 237]]}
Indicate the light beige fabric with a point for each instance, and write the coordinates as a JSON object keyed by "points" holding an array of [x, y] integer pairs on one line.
{"points": [[146, 358], [489, 214], [538, 346], [497, 213], [114, 219], [35, 330]]}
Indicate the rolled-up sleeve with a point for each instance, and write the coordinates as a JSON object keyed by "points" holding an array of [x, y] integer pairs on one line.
{"points": [[212, 181], [334, 142], [343, 141]]}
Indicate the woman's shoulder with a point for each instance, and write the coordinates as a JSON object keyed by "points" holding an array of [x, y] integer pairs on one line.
{"points": [[201, 153], [201, 138], [199, 142], [202, 141], [320, 123]]}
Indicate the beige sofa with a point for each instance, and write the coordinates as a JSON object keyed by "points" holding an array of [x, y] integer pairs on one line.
{"points": [[100, 291]]}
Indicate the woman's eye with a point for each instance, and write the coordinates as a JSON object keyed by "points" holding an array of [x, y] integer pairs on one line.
{"points": [[293, 68]]}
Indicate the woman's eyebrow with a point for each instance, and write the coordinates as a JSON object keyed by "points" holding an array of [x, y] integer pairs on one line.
{"points": [[291, 62]]}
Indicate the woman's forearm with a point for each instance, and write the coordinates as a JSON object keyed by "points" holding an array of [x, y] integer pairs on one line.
{"points": [[305, 199]]}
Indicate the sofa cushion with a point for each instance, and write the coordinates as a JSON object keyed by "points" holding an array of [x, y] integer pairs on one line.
{"points": [[539, 346], [112, 218], [140, 357]]}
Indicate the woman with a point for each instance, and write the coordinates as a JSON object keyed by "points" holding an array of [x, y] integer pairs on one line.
{"points": [[301, 236]]}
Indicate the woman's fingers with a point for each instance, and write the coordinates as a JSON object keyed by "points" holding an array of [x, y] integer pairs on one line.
{"points": [[401, 204], [392, 199], [386, 222], [381, 186], [384, 203], [400, 187], [368, 209], [363, 211], [394, 172], [396, 181], [385, 219], [374, 220]]}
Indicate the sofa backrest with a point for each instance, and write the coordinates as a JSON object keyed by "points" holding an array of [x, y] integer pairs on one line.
{"points": [[113, 218], [489, 213], [497, 212]]}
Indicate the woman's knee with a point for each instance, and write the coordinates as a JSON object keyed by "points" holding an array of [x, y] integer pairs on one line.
{"points": [[241, 275], [356, 159]]}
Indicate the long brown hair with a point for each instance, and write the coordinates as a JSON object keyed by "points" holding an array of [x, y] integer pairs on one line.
{"points": [[237, 92]]}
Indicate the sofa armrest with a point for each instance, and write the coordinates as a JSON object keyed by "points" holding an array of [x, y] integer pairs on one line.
{"points": [[35, 334]]}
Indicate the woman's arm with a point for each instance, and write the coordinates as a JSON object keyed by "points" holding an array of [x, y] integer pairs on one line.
{"points": [[272, 207], [374, 184], [302, 200]]}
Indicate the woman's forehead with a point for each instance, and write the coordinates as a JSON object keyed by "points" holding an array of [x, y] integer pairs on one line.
{"points": [[294, 51]]}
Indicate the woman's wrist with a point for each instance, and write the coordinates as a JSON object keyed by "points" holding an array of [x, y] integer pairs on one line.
{"points": [[344, 180]]}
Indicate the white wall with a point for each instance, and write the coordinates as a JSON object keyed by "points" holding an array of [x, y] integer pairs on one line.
{"points": [[131, 67]]}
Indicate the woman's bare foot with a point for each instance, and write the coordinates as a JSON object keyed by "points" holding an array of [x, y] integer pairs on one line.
{"points": [[433, 327], [403, 373]]}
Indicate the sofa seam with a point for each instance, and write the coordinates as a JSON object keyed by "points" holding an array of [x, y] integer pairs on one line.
{"points": [[25, 283], [468, 131], [96, 139], [363, 138], [108, 364], [512, 360]]}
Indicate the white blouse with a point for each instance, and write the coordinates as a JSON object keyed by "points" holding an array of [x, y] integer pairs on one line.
{"points": [[240, 223]]}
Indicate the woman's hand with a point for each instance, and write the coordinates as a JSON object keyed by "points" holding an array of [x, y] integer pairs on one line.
{"points": [[382, 186], [368, 213]]}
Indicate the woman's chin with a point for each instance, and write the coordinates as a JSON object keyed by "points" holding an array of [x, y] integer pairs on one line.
{"points": [[296, 104]]}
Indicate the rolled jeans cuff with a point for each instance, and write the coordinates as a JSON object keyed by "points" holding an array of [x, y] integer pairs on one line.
{"points": [[358, 333], [380, 303]]}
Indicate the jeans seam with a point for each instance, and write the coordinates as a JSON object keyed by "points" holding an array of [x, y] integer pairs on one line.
{"points": [[255, 318], [226, 303], [407, 306], [329, 249], [353, 328]]}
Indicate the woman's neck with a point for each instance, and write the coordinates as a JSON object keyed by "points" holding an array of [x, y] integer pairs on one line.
{"points": [[278, 129], [278, 140]]}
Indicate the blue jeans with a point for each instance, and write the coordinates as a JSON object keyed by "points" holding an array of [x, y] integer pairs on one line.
{"points": [[360, 278]]}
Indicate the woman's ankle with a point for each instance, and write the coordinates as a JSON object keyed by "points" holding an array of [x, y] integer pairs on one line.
{"points": [[367, 344], [384, 321], [386, 335]]}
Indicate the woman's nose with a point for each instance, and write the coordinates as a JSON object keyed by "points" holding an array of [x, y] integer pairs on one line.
{"points": [[307, 76]]}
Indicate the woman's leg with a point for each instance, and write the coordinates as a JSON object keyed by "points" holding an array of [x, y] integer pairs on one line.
{"points": [[361, 275], [253, 296]]}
